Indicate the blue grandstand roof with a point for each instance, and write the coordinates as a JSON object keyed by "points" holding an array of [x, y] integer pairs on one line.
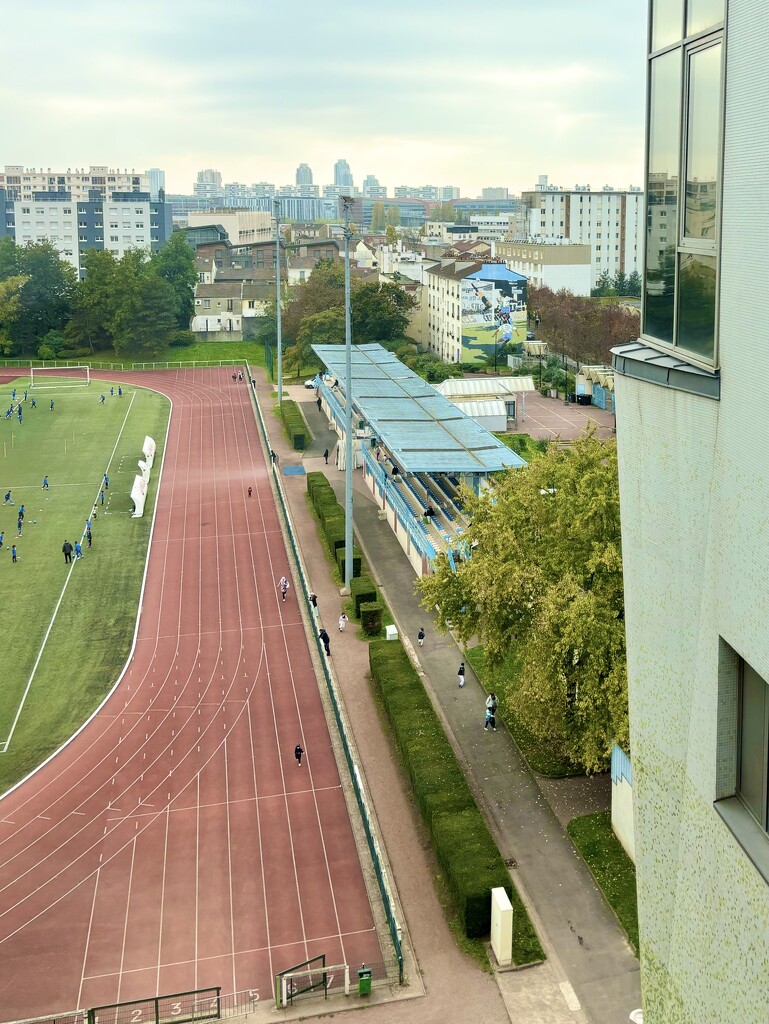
{"points": [[496, 272], [424, 431]]}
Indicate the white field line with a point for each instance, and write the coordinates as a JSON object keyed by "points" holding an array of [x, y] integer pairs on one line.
{"points": [[7, 741]]}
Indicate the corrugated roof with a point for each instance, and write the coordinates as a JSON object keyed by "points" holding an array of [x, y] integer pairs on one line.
{"points": [[476, 409], [423, 430], [476, 387]]}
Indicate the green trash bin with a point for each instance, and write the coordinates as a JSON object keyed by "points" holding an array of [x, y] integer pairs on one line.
{"points": [[364, 981]]}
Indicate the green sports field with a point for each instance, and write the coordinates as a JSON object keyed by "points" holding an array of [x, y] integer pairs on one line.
{"points": [[65, 633]]}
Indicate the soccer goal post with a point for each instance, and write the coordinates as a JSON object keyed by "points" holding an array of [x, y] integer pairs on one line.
{"points": [[44, 378]]}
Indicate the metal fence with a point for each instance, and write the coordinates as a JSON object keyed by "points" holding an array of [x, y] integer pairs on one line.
{"points": [[179, 1008], [373, 845], [45, 364]]}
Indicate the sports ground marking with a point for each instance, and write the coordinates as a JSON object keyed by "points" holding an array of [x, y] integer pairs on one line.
{"points": [[5, 744]]}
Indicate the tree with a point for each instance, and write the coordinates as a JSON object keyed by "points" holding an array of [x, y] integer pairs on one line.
{"points": [[620, 283], [146, 318], [443, 212], [46, 297], [324, 289], [378, 218], [10, 288], [393, 216], [324, 328], [603, 285], [545, 581], [391, 235], [175, 263], [95, 301], [379, 312], [9, 258], [634, 285]]}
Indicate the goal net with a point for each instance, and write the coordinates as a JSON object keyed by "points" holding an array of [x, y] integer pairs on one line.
{"points": [[43, 378]]}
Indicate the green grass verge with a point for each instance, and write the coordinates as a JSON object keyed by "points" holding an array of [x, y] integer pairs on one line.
{"points": [[538, 755], [224, 351], [468, 856], [91, 633], [611, 867], [523, 445]]}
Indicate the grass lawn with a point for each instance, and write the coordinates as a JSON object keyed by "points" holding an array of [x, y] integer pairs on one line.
{"points": [[86, 639], [523, 445], [611, 867], [539, 757], [223, 351]]}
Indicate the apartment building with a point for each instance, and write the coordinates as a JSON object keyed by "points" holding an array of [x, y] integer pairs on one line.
{"points": [[609, 220], [693, 442], [78, 183], [242, 226], [124, 221], [547, 265]]}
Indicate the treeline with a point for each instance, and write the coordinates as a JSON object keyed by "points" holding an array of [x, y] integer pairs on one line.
{"points": [[580, 328], [135, 305], [621, 284]]}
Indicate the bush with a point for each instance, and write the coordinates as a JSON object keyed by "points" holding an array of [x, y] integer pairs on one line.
{"points": [[371, 617], [294, 424], [181, 339], [463, 844], [362, 591], [333, 529], [357, 557]]}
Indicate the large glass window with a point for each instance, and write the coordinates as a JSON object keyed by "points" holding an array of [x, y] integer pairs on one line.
{"points": [[754, 744], [697, 303], [662, 194], [703, 107], [667, 22], [702, 14]]}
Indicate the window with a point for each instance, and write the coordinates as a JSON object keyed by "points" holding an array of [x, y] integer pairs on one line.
{"points": [[113, 238], [206, 303], [685, 116], [753, 755]]}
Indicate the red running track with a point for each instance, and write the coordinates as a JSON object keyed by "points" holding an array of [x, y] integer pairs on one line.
{"points": [[175, 844]]}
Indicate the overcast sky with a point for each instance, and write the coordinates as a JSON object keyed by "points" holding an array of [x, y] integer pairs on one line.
{"points": [[438, 92]]}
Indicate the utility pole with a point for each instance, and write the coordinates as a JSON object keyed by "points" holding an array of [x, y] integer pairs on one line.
{"points": [[347, 204], [276, 207]]}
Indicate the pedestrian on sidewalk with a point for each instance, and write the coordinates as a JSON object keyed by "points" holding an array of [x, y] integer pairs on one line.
{"points": [[461, 675], [342, 622], [298, 751], [325, 456], [421, 636], [323, 635], [491, 722], [491, 702], [319, 403], [284, 587], [314, 604]]}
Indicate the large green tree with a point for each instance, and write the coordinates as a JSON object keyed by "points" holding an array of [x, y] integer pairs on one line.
{"points": [[96, 300], [378, 218], [379, 312], [545, 580], [10, 288], [146, 317], [45, 299], [175, 263], [323, 290]]}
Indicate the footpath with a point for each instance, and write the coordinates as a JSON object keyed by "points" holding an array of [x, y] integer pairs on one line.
{"points": [[591, 974]]}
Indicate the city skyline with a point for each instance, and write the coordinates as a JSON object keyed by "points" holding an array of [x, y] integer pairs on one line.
{"points": [[566, 100]]}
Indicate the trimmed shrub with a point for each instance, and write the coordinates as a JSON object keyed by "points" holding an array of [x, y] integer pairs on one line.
{"points": [[463, 844], [294, 424], [362, 590], [333, 530], [357, 558], [371, 617]]}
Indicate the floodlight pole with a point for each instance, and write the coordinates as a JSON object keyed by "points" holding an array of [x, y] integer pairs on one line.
{"points": [[276, 208], [347, 203]]}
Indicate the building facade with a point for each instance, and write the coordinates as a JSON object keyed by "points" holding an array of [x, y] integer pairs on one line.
{"points": [[693, 442], [209, 185], [242, 226], [342, 174], [129, 220], [303, 175], [23, 182], [609, 220], [551, 266]]}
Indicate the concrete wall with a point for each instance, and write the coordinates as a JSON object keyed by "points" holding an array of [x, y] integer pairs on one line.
{"points": [[622, 815]]}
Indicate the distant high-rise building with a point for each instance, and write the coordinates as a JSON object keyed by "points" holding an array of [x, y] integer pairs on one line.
{"points": [[157, 179], [342, 174], [304, 174], [22, 182], [372, 189], [209, 184], [494, 193], [449, 192]]}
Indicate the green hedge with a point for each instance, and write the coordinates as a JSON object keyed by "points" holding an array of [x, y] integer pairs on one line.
{"points": [[468, 856], [362, 590], [371, 617], [357, 559], [294, 424], [333, 530]]}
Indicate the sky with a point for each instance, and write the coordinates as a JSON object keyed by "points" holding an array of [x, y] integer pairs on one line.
{"points": [[491, 93]]}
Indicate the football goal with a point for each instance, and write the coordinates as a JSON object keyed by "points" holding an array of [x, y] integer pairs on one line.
{"points": [[43, 378]]}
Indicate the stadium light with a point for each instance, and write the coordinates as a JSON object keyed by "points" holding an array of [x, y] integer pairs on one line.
{"points": [[347, 204], [276, 207]]}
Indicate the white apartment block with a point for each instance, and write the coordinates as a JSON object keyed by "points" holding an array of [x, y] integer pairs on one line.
{"points": [[495, 227], [566, 265], [444, 308], [693, 441], [609, 220], [242, 226], [22, 182]]}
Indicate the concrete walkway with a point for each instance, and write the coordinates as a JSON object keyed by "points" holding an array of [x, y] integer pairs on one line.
{"points": [[591, 974]]}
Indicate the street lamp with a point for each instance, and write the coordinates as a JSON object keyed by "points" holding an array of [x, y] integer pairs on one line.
{"points": [[347, 204], [276, 208]]}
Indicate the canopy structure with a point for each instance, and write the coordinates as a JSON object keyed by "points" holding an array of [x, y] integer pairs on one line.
{"points": [[424, 431]]}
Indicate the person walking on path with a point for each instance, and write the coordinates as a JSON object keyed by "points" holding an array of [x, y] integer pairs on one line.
{"points": [[325, 456], [13, 553], [275, 457], [45, 482], [78, 550], [67, 549], [461, 675], [319, 403], [421, 636], [491, 722], [314, 604], [342, 622], [284, 585], [298, 751], [323, 635], [491, 702]]}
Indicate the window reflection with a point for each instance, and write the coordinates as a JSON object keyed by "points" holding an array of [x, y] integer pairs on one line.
{"points": [[704, 103], [697, 304], [702, 14], [662, 195], [667, 22]]}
